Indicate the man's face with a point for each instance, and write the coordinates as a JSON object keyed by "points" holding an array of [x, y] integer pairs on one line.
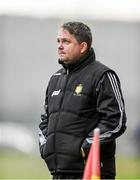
{"points": [[69, 49]]}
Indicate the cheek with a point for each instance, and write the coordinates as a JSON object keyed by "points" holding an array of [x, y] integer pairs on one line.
{"points": [[72, 51], [69, 50], [75, 51]]}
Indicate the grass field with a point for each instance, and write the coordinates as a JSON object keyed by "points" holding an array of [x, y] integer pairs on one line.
{"points": [[15, 165]]}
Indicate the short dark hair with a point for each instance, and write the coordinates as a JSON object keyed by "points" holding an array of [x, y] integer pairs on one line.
{"points": [[81, 32]]}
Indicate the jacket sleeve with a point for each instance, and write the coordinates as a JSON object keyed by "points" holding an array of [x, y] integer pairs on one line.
{"points": [[110, 108], [43, 126]]}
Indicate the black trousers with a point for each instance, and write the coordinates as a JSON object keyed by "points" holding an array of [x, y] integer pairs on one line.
{"points": [[76, 176], [67, 176]]}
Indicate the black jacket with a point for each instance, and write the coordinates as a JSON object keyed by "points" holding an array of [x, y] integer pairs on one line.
{"points": [[79, 98]]}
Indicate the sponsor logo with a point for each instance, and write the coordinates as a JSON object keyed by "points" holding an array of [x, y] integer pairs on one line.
{"points": [[56, 93]]}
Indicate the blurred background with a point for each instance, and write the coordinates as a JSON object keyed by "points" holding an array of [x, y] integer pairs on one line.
{"points": [[28, 57]]}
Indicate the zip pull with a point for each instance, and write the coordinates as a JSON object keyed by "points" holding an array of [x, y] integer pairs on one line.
{"points": [[67, 71]]}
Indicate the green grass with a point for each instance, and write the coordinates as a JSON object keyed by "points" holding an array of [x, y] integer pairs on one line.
{"points": [[128, 167], [15, 165]]}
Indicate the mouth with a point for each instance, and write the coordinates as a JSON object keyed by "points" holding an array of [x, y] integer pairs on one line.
{"points": [[61, 53]]}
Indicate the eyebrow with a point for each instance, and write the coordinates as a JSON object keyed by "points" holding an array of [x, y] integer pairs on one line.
{"points": [[64, 39]]}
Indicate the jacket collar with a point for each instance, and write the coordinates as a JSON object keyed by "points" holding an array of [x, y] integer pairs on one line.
{"points": [[80, 63]]}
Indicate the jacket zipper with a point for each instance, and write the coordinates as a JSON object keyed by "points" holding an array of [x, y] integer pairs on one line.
{"points": [[61, 102]]}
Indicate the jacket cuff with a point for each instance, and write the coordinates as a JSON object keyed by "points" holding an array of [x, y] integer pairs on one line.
{"points": [[85, 148]]}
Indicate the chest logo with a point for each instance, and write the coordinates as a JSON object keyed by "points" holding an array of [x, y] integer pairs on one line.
{"points": [[78, 90]]}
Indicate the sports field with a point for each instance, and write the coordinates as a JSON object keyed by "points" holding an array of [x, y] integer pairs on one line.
{"points": [[15, 165]]}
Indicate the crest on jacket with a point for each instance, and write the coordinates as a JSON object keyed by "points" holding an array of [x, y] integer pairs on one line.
{"points": [[78, 90]]}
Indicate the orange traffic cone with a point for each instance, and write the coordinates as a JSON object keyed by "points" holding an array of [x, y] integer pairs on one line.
{"points": [[92, 167]]}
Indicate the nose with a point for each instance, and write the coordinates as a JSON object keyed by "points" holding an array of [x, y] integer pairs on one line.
{"points": [[60, 45]]}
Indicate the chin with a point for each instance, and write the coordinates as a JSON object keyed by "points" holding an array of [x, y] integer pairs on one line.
{"points": [[61, 59]]}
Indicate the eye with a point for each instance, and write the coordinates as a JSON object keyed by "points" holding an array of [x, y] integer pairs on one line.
{"points": [[58, 41], [66, 41]]}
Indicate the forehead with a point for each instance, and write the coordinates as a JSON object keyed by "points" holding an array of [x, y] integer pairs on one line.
{"points": [[63, 33]]}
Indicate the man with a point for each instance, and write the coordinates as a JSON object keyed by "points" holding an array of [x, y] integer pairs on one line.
{"points": [[81, 96]]}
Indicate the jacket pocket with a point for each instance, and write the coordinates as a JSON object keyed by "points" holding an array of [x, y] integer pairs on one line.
{"points": [[48, 147], [68, 144], [41, 150]]}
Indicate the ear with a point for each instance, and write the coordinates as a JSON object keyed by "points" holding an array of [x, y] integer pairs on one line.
{"points": [[83, 47]]}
